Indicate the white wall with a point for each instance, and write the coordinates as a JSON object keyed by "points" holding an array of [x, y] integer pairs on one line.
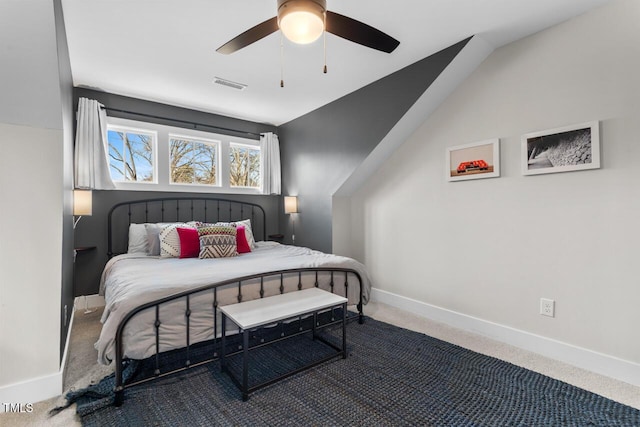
{"points": [[30, 253], [31, 197], [490, 248], [29, 76]]}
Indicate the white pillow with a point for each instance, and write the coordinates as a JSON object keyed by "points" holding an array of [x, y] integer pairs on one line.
{"points": [[138, 243], [247, 230]]}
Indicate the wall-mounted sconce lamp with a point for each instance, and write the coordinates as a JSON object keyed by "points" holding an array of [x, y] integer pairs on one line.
{"points": [[291, 207], [82, 204]]}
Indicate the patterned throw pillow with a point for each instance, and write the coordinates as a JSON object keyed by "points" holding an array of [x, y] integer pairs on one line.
{"points": [[170, 240], [246, 223], [217, 241]]}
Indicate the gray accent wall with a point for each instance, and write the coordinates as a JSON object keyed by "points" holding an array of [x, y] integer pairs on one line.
{"points": [[177, 114], [322, 148], [92, 230], [66, 101]]}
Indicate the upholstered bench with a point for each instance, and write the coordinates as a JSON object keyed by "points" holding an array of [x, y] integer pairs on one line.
{"points": [[255, 314]]}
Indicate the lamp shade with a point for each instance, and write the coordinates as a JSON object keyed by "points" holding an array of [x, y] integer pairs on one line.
{"points": [[290, 204], [301, 21], [82, 202]]}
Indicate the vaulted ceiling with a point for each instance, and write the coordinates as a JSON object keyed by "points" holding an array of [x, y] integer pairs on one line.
{"points": [[165, 50]]}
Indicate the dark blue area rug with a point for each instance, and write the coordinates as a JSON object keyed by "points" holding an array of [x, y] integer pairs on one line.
{"points": [[391, 377]]}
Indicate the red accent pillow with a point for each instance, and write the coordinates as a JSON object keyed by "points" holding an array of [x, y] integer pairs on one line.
{"points": [[189, 242], [241, 240]]}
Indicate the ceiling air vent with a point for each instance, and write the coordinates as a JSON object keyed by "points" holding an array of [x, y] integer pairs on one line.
{"points": [[229, 83]]}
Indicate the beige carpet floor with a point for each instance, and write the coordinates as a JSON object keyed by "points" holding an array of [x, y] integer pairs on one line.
{"points": [[82, 368]]}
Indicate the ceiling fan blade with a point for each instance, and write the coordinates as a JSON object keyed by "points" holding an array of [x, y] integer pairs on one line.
{"points": [[360, 33], [250, 36]]}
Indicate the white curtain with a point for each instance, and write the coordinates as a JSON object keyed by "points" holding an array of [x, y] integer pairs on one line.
{"points": [[91, 161], [270, 147]]}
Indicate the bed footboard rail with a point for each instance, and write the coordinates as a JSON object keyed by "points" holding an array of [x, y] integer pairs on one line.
{"points": [[339, 279]]}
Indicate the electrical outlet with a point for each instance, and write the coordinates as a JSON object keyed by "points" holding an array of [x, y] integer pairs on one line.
{"points": [[547, 307]]}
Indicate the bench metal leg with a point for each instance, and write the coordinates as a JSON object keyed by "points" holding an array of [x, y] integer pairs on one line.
{"points": [[245, 365], [313, 327], [119, 397], [223, 362], [344, 330]]}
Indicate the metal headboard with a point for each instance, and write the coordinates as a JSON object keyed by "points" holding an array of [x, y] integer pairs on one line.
{"points": [[175, 209]]}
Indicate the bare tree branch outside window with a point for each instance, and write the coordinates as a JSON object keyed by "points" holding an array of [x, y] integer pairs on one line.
{"points": [[193, 162], [131, 155], [244, 166]]}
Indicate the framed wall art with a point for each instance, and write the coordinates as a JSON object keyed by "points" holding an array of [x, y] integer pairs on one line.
{"points": [[569, 148], [474, 161]]}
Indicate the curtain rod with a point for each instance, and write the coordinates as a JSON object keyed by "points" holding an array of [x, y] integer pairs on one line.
{"points": [[194, 124]]}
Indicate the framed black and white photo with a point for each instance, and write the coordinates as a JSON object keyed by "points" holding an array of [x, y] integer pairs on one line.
{"points": [[569, 148], [473, 161]]}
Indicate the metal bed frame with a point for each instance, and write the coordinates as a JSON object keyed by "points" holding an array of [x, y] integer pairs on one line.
{"points": [[187, 209], [175, 209]]}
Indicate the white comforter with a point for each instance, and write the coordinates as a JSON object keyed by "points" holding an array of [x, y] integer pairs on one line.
{"points": [[129, 281]]}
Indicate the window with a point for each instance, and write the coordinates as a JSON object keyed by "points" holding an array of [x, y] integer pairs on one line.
{"points": [[244, 163], [147, 156], [193, 161], [131, 154]]}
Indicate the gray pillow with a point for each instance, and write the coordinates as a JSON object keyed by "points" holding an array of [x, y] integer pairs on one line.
{"points": [[137, 239], [153, 239]]}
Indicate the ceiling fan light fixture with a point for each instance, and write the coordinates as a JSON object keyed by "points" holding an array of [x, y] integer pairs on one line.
{"points": [[301, 21]]}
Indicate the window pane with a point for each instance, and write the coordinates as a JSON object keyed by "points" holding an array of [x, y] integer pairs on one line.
{"points": [[205, 164], [181, 169], [131, 155], [244, 166], [116, 161], [254, 170], [140, 151], [193, 162]]}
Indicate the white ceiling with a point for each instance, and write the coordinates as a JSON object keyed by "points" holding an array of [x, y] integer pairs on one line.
{"points": [[164, 50]]}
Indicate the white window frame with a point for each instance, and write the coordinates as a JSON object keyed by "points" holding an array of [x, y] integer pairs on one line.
{"points": [[162, 161], [154, 157], [255, 146], [216, 143]]}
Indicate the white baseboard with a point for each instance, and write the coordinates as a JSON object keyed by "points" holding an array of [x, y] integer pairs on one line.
{"points": [[610, 366], [89, 302], [37, 389], [32, 391]]}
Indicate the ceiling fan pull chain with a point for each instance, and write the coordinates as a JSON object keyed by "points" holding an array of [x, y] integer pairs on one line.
{"points": [[281, 60], [324, 35]]}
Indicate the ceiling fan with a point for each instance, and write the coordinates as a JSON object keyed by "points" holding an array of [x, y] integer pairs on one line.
{"points": [[304, 21]]}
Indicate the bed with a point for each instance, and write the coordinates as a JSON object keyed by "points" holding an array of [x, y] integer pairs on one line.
{"points": [[157, 303]]}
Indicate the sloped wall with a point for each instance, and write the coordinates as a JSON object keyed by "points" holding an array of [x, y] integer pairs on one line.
{"points": [[490, 249], [31, 193]]}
